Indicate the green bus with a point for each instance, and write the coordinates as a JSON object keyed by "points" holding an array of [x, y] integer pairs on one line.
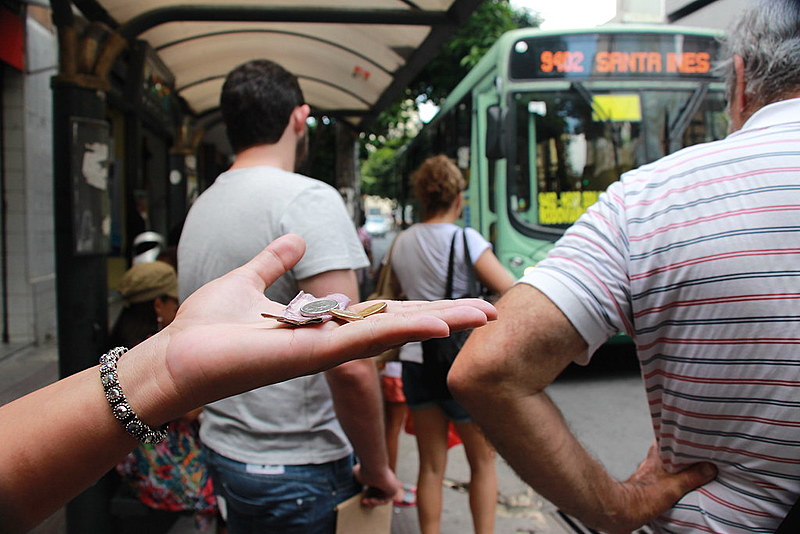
{"points": [[548, 119]]}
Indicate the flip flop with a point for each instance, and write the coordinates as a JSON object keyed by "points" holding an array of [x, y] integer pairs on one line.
{"points": [[409, 497]]}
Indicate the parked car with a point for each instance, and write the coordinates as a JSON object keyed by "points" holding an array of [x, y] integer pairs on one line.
{"points": [[377, 225]]}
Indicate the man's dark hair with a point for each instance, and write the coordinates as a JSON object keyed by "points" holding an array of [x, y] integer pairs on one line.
{"points": [[257, 99]]}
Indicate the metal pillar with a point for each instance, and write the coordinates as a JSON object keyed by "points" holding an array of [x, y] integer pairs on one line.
{"points": [[347, 178], [79, 89], [176, 195], [81, 286]]}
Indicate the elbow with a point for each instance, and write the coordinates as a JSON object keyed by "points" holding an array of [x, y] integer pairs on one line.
{"points": [[473, 377], [353, 374]]}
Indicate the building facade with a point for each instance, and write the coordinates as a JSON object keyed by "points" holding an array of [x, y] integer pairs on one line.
{"points": [[27, 268]]}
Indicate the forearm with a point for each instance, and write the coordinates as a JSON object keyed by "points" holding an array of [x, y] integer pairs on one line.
{"points": [[59, 440], [492, 274], [354, 385], [500, 376], [44, 450], [535, 440], [503, 370], [357, 399]]}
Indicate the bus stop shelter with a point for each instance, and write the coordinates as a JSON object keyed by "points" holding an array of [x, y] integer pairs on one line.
{"points": [[159, 65]]}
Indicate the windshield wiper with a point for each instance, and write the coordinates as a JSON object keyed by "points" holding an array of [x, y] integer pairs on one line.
{"points": [[603, 115], [681, 122]]}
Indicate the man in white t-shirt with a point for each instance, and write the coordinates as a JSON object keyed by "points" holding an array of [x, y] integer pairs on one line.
{"points": [[694, 256], [282, 456]]}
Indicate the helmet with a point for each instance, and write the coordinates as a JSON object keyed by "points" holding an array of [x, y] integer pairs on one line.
{"points": [[147, 246]]}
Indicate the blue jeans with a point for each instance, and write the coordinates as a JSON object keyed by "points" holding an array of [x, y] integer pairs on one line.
{"points": [[291, 499]]}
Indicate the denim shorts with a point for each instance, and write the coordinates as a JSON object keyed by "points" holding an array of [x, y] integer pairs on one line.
{"points": [[290, 499], [419, 396]]}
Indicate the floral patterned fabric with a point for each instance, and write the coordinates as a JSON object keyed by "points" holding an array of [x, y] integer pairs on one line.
{"points": [[172, 475]]}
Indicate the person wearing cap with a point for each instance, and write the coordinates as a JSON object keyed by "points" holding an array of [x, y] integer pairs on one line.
{"points": [[150, 292], [171, 475]]}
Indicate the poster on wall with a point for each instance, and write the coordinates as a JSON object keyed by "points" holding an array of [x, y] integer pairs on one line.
{"points": [[91, 156]]}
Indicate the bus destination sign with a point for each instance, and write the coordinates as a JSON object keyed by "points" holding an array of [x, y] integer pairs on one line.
{"points": [[652, 55]]}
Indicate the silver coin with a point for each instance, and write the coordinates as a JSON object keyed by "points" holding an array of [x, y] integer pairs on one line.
{"points": [[318, 307]]}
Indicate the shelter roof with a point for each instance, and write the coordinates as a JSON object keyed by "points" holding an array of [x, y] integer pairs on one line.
{"points": [[352, 57]]}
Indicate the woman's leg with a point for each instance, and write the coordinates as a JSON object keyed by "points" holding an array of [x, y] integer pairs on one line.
{"points": [[395, 413], [483, 480], [430, 426]]}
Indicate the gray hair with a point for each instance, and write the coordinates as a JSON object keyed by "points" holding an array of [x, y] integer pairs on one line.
{"points": [[767, 37]]}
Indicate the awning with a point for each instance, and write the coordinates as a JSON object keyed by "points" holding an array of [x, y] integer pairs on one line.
{"points": [[352, 57]]}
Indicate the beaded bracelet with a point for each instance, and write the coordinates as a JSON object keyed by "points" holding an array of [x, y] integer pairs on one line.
{"points": [[119, 404]]}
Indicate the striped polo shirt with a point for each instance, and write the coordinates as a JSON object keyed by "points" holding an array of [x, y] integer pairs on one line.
{"points": [[697, 257]]}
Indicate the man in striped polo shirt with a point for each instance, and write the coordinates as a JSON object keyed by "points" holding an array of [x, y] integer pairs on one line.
{"points": [[697, 258]]}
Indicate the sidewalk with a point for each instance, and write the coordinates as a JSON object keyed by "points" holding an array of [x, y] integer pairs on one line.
{"points": [[520, 511], [24, 369]]}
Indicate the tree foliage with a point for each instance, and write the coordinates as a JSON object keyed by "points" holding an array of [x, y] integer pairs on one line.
{"points": [[399, 123], [490, 20], [378, 169]]}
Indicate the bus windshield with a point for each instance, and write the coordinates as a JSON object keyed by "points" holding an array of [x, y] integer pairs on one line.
{"points": [[571, 144]]}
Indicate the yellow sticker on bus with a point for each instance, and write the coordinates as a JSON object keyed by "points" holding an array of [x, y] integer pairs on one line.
{"points": [[566, 207], [617, 108]]}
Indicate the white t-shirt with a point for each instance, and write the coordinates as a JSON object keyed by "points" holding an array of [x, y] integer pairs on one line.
{"points": [[293, 422], [420, 257]]}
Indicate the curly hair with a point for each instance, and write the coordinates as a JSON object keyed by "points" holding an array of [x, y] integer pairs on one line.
{"points": [[437, 183]]}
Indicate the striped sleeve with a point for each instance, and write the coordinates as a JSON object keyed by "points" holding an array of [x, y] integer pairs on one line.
{"points": [[585, 274]]}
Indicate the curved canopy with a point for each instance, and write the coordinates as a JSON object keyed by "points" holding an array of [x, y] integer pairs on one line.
{"points": [[352, 57]]}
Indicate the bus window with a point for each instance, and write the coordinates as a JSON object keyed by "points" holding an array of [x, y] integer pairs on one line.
{"points": [[709, 123], [570, 145], [663, 109], [566, 153]]}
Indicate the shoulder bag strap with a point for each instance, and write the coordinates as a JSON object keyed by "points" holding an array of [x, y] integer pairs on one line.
{"points": [[391, 248], [448, 291], [384, 285], [472, 282]]}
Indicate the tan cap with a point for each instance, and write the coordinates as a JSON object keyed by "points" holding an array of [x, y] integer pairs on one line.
{"points": [[146, 281]]}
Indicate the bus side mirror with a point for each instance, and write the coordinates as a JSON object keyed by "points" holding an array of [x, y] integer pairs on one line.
{"points": [[495, 132]]}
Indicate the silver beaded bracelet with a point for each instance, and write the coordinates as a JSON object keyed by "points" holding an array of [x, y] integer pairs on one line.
{"points": [[119, 405]]}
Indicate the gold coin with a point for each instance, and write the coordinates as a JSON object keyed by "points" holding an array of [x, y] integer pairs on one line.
{"points": [[346, 315], [372, 309]]}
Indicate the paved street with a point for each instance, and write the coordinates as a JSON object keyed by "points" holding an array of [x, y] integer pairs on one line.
{"points": [[609, 415]]}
